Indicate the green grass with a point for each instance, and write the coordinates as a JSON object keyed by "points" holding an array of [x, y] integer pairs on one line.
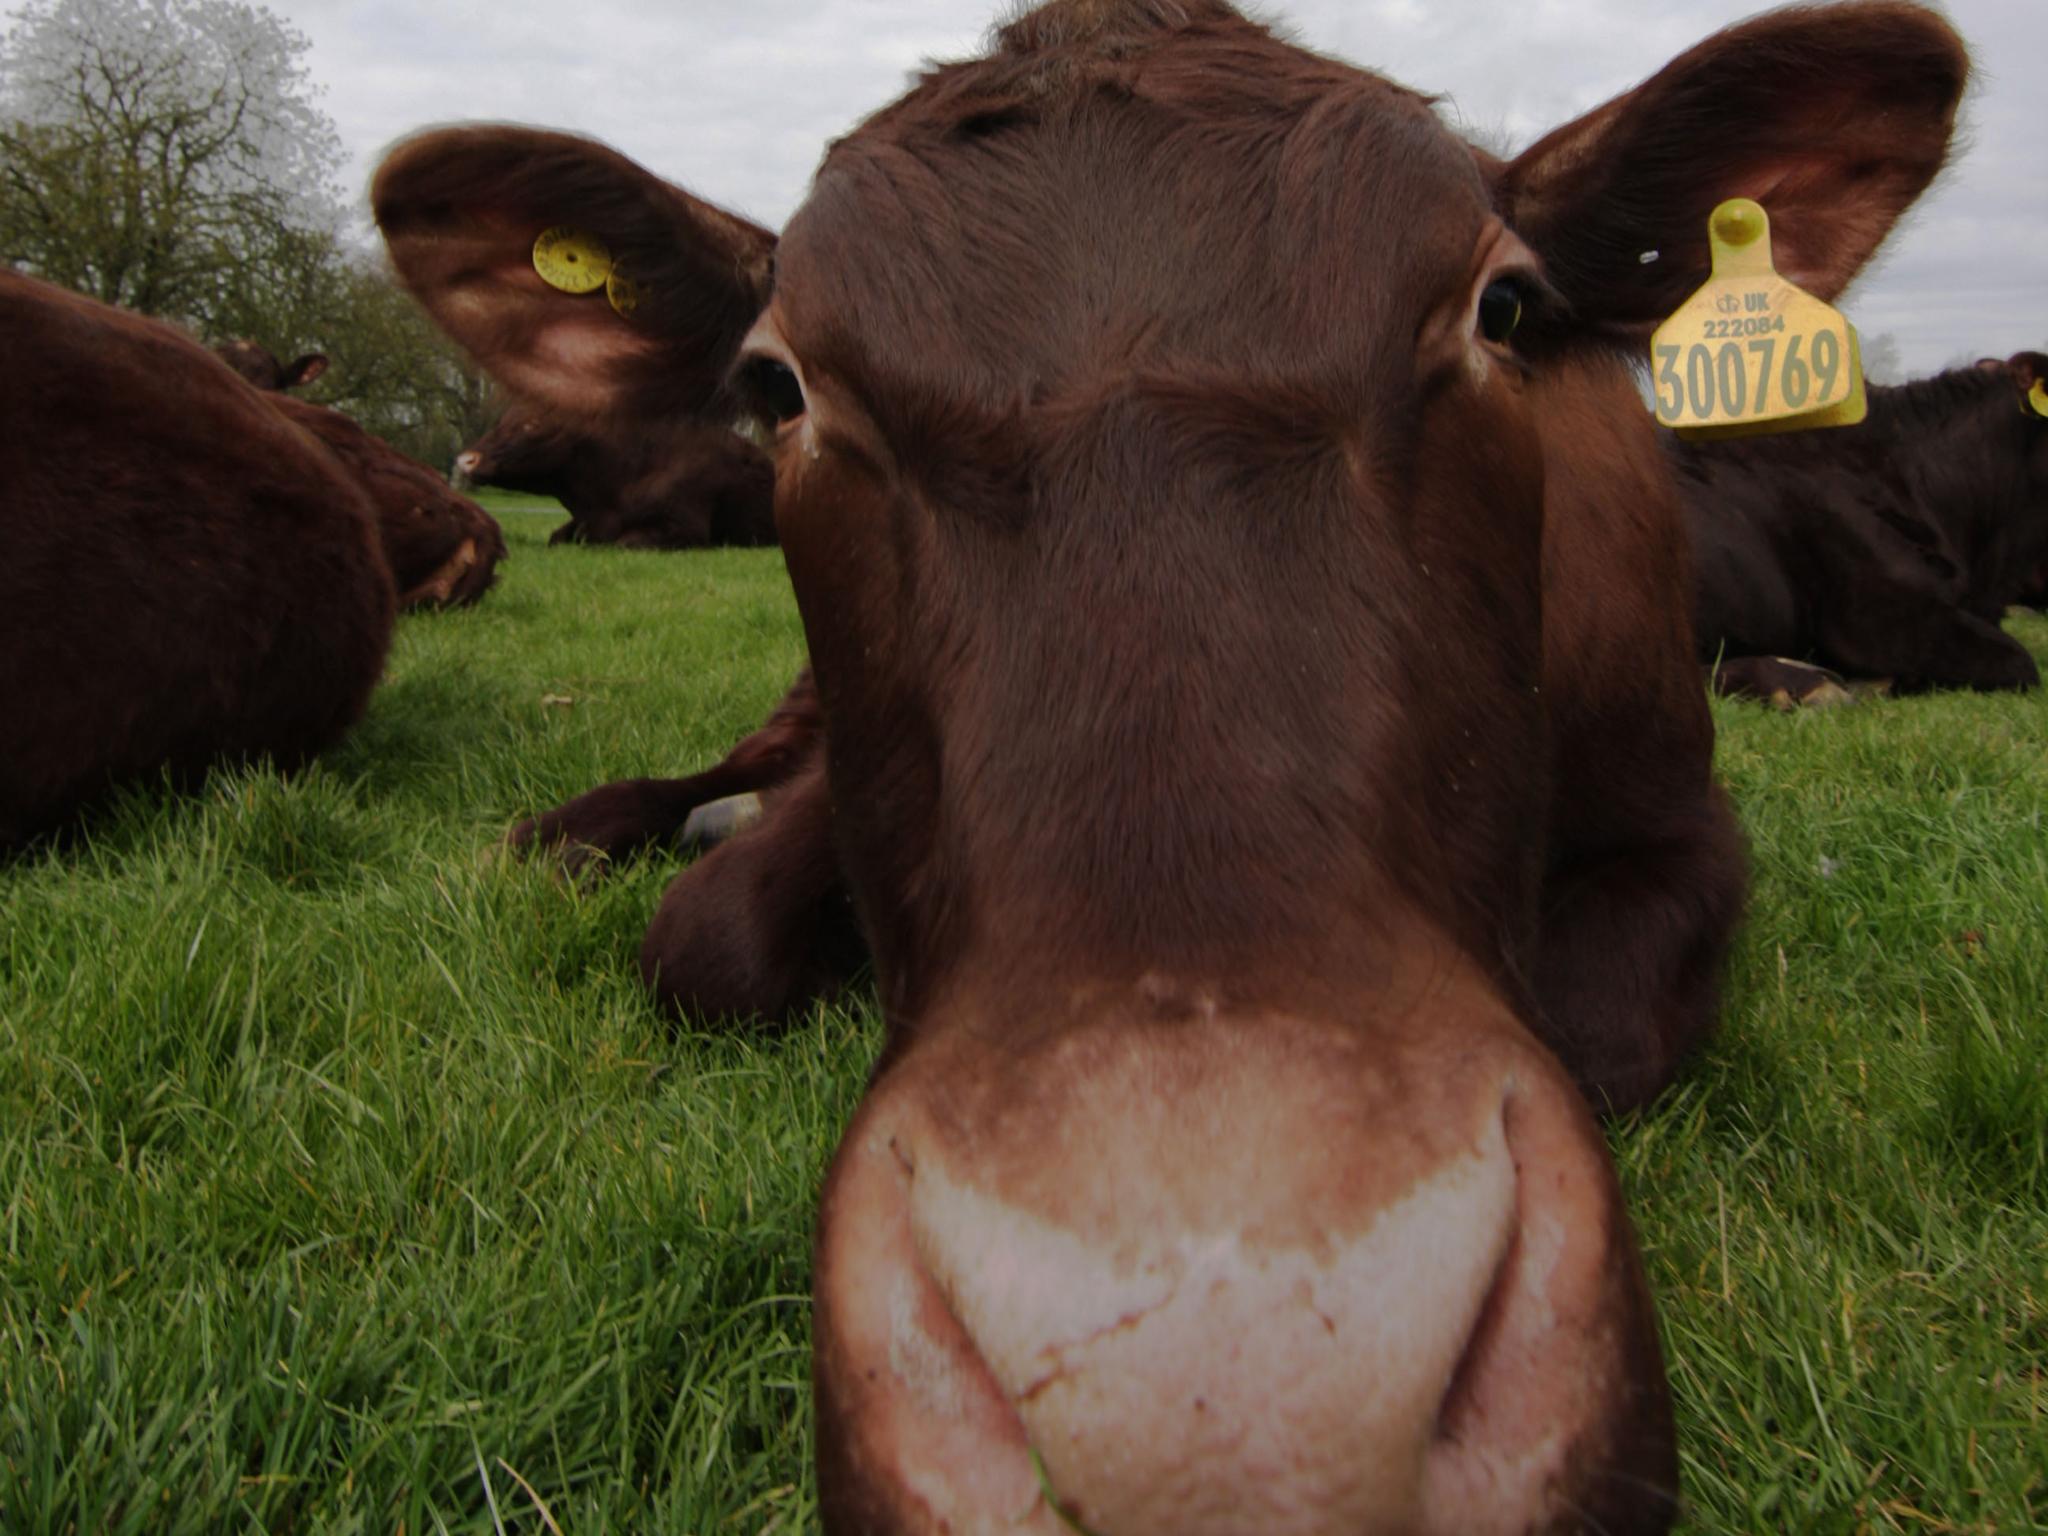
{"points": [[348, 1181]]}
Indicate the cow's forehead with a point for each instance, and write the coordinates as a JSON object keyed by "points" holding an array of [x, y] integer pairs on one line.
{"points": [[1206, 193]]}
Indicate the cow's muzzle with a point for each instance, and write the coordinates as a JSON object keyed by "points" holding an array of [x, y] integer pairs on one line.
{"points": [[1224, 1275]]}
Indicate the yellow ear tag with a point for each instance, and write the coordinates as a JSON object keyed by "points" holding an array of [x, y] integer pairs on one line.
{"points": [[2037, 398], [623, 292], [571, 260], [1749, 352]]}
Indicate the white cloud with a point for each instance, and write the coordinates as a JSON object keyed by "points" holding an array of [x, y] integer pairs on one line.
{"points": [[737, 100]]}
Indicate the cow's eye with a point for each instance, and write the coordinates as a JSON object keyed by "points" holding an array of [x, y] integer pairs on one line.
{"points": [[770, 387], [1500, 309]]}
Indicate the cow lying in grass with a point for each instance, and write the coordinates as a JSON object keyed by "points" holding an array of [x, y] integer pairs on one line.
{"points": [[1260, 736], [188, 576], [1885, 550], [684, 484]]}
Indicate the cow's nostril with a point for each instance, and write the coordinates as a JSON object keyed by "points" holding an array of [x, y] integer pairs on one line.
{"points": [[1454, 1414]]}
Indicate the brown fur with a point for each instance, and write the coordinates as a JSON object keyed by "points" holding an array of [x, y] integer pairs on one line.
{"points": [[188, 579], [443, 549], [1218, 643]]}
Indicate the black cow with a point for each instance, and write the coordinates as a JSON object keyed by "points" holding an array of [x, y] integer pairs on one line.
{"points": [[1889, 549]]}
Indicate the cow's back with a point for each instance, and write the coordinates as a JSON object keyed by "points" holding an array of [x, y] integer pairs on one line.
{"points": [[188, 576]]}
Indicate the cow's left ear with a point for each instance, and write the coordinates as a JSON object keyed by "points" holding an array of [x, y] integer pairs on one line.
{"points": [[2029, 372], [461, 208], [303, 370], [1834, 118]]}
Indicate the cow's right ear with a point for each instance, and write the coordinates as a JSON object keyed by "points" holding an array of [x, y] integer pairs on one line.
{"points": [[303, 370], [2029, 372], [1833, 117], [460, 209]]}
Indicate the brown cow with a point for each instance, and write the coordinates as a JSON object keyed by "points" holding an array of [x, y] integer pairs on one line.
{"points": [[443, 548], [259, 365], [187, 576], [1262, 740], [685, 484]]}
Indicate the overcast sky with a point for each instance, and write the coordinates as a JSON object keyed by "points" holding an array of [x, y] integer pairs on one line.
{"points": [[735, 99]]}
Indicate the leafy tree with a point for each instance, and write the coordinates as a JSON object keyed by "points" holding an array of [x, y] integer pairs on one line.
{"points": [[160, 154], [169, 156], [389, 366]]}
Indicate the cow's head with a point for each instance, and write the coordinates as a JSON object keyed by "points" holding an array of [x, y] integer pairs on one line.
{"points": [[526, 449], [1170, 421], [259, 365]]}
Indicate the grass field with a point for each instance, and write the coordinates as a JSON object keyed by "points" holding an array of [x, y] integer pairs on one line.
{"points": [[349, 1183]]}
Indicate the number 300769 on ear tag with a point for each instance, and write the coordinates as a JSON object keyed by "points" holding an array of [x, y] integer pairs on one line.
{"points": [[1749, 352]]}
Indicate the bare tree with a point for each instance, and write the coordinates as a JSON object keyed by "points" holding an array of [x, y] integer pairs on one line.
{"points": [[160, 154]]}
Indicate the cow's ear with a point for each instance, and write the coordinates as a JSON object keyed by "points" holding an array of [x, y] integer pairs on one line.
{"points": [[1834, 118], [461, 209], [2029, 372], [303, 370]]}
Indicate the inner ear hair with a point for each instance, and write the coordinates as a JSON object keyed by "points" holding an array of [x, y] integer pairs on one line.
{"points": [[1833, 118]]}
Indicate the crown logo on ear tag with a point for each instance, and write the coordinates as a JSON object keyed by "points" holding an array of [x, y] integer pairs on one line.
{"points": [[1750, 352], [571, 260], [2037, 398]]}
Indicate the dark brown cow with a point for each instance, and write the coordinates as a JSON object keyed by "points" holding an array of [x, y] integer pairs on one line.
{"points": [[187, 576], [1262, 739], [259, 365], [443, 548], [687, 484], [1888, 549]]}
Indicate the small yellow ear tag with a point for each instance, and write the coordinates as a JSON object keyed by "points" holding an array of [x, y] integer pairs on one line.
{"points": [[623, 293], [2037, 398], [571, 260], [1749, 352]]}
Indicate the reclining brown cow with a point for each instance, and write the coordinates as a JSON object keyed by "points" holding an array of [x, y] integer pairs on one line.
{"points": [[1890, 549], [186, 576], [1262, 741], [691, 483]]}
